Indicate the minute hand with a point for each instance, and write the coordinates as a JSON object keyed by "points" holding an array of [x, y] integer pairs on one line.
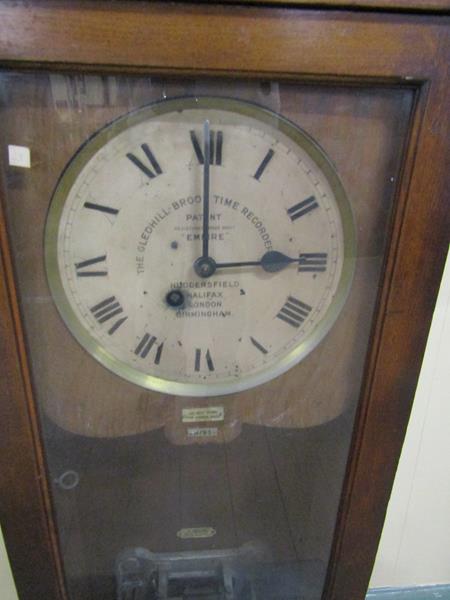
{"points": [[272, 262], [206, 164]]}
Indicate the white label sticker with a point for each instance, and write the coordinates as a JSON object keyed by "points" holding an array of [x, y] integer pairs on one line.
{"points": [[196, 532], [202, 432], [200, 415], [19, 156]]}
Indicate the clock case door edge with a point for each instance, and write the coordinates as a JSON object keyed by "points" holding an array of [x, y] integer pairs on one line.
{"points": [[405, 305], [26, 517], [392, 366]]}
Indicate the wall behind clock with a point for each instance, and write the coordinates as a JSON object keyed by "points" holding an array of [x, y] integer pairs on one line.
{"points": [[415, 546], [7, 587]]}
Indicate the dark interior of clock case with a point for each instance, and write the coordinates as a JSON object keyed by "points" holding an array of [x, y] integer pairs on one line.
{"points": [[143, 507]]}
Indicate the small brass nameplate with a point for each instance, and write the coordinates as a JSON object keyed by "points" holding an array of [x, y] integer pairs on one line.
{"points": [[196, 532], [203, 414]]}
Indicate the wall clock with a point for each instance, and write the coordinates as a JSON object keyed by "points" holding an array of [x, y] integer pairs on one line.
{"points": [[182, 289], [212, 316]]}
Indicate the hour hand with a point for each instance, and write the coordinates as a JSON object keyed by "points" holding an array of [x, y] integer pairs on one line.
{"points": [[274, 261]]}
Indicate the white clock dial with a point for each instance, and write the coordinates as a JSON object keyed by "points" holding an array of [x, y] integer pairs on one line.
{"points": [[199, 276]]}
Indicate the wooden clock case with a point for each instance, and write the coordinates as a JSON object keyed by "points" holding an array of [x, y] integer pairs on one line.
{"points": [[377, 45]]}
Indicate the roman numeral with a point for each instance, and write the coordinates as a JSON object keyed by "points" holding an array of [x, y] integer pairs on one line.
{"points": [[258, 345], [146, 344], [265, 161], [144, 168], [106, 310], [83, 271], [315, 262], [294, 312], [198, 360], [215, 147], [101, 208], [116, 325], [302, 208], [158, 354]]}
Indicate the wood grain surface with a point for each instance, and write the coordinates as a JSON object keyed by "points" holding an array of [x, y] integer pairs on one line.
{"points": [[214, 38], [276, 488], [276, 483], [79, 394], [405, 53], [381, 5]]}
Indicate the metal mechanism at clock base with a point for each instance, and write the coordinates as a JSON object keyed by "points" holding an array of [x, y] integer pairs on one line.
{"points": [[243, 573], [210, 575]]}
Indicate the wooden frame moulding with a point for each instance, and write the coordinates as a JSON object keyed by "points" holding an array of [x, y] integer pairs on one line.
{"points": [[428, 6], [361, 48]]}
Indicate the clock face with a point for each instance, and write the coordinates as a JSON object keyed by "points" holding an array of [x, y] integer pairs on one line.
{"points": [[199, 246]]}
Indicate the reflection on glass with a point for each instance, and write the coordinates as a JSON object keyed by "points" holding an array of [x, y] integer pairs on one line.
{"points": [[207, 459]]}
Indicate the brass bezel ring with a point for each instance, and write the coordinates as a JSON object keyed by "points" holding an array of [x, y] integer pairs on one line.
{"points": [[95, 143]]}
